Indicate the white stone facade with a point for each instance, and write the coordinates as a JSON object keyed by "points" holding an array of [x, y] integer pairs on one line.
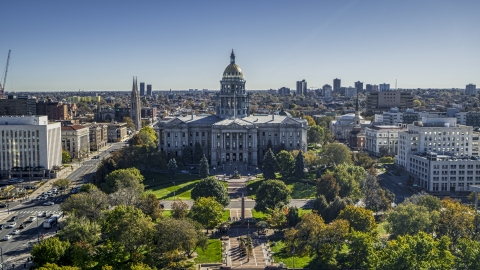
{"points": [[76, 141], [382, 139], [29, 141]]}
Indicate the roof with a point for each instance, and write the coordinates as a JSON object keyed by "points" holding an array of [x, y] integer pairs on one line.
{"points": [[73, 127]]}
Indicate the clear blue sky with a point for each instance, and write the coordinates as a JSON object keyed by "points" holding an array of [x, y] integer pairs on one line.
{"points": [[100, 45]]}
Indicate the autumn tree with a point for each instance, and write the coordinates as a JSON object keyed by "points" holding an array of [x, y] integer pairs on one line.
{"points": [[285, 163], [179, 209], [336, 154], [150, 206], [360, 219], [327, 186]]}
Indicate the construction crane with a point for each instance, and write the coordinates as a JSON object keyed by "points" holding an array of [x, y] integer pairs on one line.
{"points": [[2, 86]]}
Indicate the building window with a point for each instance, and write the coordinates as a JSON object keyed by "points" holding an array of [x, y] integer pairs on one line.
{"points": [[168, 134]]}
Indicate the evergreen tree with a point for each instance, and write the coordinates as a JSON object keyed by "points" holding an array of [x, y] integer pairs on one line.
{"points": [[292, 217], [172, 167], [300, 166], [187, 155], [197, 153], [204, 170], [269, 165]]}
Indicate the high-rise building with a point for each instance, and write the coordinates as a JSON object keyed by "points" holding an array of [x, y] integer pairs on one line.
{"points": [[142, 89], [29, 141], [149, 90], [327, 91], [284, 91], [368, 87], [384, 87], [135, 106], [470, 89], [380, 101], [337, 83], [359, 86], [302, 88], [23, 105], [54, 110]]}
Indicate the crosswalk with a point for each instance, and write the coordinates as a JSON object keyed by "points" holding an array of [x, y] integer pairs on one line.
{"points": [[33, 212]]}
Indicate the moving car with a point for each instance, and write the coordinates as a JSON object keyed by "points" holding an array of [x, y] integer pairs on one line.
{"points": [[44, 214], [31, 219], [13, 218], [2, 205], [12, 225], [48, 203], [16, 231], [7, 237]]}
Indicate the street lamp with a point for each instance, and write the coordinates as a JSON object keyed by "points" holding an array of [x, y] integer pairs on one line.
{"points": [[214, 170], [174, 189]]}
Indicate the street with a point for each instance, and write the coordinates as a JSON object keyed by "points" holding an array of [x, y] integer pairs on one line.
{"points": [[17, 249], [237, 203]]}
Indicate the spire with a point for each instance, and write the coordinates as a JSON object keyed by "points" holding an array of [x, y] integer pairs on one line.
{"points": [[356, 106], [232, 57]]}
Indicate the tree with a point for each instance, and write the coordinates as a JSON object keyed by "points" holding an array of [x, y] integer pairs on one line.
{"points": [[293, 217], [62, 184], [376, 198], [79, 229], [179, 209], [129, 178], [277, 217], [360, 219], [336, 154], [467, 254], [349, 178], [86, 204], [455, 220], [363, 160], [327, 186], [362, 250], [334, 209], [49, 250], [269, 165], [310, 120], [207, 211], [420, 251], [197, 153], [211, 187], [129, 122], [172, 168], [183, 235], [272, 194], [53, 266], [66, 157], [300, 166], [187, 155], [417, 103], [146, 137], [87, 187], [409, 218], [130, 227], [204, 168], [150, 206], [315, 134], [285, 163], [432, 203]]}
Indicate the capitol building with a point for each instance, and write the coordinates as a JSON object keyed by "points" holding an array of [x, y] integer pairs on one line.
{"points": [[233, 138]]}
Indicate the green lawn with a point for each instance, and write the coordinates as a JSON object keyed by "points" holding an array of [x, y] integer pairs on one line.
{"points": [[226, 215], [169, 191], [302, 211], [213, 254], [382, 233], [259, 215], [280, 255], [167, 213], [299, 190], [158, 178]]}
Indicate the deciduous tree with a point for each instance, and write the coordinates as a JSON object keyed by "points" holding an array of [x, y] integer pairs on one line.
{"points": [[62, 184], [49, 250], [207, 211], [336, 154], [179, 209], [272, 194], [79, 229], [130, 178], [150, 206], [327, 186], [183, 235], [315, 134], [66, 157], [285, 163], [360, 219], [211, 187], [409, 218]]}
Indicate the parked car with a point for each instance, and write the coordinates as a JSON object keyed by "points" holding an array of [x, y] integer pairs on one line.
{"points": [[2, 226], [20, 181], [13, 181], [22, 226], [2, 205], [7, 237], [16, 231], [12, 225]]}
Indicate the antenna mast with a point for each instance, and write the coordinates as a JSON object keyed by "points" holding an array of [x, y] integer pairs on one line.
{"points": [[2, 87]]}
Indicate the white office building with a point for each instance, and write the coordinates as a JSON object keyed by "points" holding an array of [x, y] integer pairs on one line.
{"points": [[382, 140], [30, 144], [438, 155]]}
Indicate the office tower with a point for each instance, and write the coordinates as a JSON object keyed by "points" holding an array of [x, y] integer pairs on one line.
{"points": [[284, 91], [359, 86], [384, 87], [29, 141], [377, 102], [369, 88], [142, 89], [337, 83], [149, 90], [23, 105], [302, 87], [470, 89]]}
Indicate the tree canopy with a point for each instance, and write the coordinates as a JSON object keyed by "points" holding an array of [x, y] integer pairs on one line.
{"points": [[207, 211], [272, 194], [336, 154], [285, 163], [300, 166], [204, 168], [269, 165], [211, 187]]}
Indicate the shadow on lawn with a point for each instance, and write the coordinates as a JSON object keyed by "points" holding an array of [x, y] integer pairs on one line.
{"points": [[303, 191], [178, 191]]}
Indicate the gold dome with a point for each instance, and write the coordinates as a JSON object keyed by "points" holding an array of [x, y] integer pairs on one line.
{"points": [[232, 71]]}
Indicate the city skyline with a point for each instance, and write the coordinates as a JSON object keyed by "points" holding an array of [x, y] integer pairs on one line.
{"points": [[97, 46]]}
